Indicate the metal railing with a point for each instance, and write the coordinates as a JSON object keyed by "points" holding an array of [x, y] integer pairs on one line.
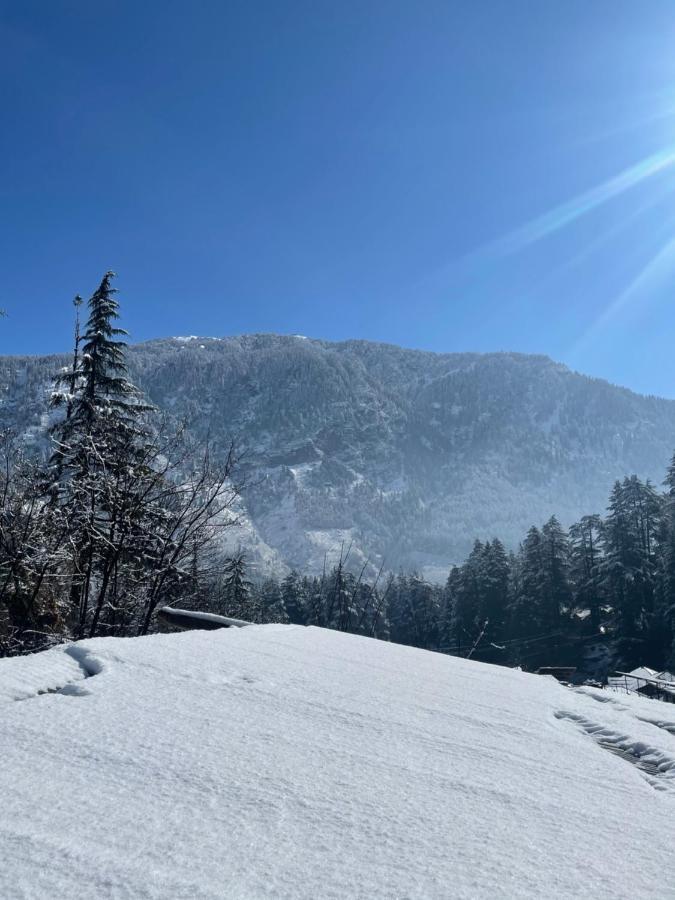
{"points": [[639, 684]]}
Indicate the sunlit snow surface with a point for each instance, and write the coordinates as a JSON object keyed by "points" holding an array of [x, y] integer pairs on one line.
{"points": [[279, 761]]}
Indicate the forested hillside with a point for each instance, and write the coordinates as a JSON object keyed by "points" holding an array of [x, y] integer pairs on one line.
{"points": [[112, 507], [407, 456]]}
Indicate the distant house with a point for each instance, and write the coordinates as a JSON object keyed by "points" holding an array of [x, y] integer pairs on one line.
{"points": [[646, 682], [631, 681]]}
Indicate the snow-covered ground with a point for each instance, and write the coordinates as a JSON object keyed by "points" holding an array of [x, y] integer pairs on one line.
{"points": [[280, 761]]}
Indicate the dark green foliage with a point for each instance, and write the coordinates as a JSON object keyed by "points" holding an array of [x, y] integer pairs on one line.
{"points": [[610, 580], [271, 602], [338, 599], [237, 597], [585, 557], [630, 568], [294, 599]]}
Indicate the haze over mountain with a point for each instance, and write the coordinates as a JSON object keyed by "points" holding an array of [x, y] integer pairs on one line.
{"points": [[405, 455]]}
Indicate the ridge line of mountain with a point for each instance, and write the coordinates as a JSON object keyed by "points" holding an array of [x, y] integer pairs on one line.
{"points": [[350, 343]]}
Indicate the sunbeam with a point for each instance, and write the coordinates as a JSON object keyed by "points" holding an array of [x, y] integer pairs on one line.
{"points": [[652, 276], [603, 238], [562, 215], [479, 261]]}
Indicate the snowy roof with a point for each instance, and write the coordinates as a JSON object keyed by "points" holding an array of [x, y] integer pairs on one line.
{"points": [[280, 761], [640, 678], [643, 672]]}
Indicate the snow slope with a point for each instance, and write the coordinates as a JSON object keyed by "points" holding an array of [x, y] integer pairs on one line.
{"points": [[279, 761]]}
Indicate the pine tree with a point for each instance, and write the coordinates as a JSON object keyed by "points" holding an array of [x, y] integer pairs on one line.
{"points": [[106, 390], [102, 403], [585, 557], [445, 622], [495, 601], [314, 593], [237, 599], [524, 613], [271, 602], [425, 605], [467, 623], [556, 594], [629, 567], [133, 519], [666, 576], [100, 456], [294, 599], [403, 625]]}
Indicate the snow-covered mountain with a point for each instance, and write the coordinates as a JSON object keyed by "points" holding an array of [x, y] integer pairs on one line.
{"points": [[408, 455], [290, 762]]}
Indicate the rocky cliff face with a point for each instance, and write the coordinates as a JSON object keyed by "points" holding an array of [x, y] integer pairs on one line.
{"points": [[405, 455]]}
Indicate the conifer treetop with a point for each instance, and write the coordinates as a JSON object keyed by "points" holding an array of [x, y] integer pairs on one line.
{"points": [[98, 389]]}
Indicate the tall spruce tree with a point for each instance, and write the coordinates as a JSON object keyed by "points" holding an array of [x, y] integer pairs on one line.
{"points": [[102, 402], [524, 618], [556, 594], [404, 626], [667, 587], [585, 557], [629, 567], [446, 636], [468, 599], [271, 601], [238, 599], [495, 601], [293, 599], [99, 441]]}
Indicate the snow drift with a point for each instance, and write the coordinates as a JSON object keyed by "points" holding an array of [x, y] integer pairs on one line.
{"points": [[279, 761]]}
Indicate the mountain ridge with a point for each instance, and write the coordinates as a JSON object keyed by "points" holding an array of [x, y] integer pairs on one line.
{"points": [[406, 455], [348, 342]]}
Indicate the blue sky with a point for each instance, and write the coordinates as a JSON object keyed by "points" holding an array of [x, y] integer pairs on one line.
{"points": [[445, 175]]}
